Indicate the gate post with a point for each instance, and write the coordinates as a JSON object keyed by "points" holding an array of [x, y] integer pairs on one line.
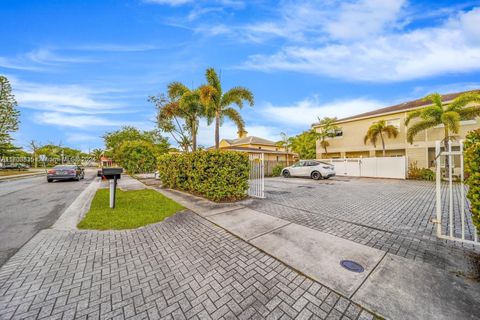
{"points": [[438, 191]]}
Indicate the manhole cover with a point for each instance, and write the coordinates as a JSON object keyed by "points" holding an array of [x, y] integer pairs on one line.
{"points": [[277, 192], [352, 266]]}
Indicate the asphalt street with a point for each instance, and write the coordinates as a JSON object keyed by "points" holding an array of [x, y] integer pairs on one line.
{"points": [[29, 205]]}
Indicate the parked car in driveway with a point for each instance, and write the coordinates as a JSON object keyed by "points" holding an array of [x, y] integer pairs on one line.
{"points": [[310, 168], [65, 172]]}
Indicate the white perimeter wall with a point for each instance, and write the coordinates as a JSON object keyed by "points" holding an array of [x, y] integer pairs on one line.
{"points": [[378, 167]]}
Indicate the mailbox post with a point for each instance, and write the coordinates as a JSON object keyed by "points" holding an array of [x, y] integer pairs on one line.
{"points": [[111, 174]]}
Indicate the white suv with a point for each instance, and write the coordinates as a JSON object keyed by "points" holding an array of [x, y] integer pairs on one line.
{"points": [[310, 168]]}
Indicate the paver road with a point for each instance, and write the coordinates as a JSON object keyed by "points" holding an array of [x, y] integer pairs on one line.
{"points": [[29, 205]]}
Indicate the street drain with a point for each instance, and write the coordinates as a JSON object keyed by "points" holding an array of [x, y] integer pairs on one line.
{"points": [[352, 266]]}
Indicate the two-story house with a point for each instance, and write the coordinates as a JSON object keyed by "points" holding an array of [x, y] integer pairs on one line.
{"points": [[348, 141]]}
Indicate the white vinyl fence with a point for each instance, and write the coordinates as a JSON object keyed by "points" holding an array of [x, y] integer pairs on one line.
{"points": [[257, 176], [378, 167]]}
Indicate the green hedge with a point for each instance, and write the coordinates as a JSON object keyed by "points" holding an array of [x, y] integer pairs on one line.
{"points": [[472, 169], [216, 175], [137, 156]]}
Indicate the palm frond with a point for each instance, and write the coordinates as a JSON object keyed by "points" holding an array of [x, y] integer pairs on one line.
{"points": [[462, 100], [431, 112], [391, 131], [412, 115], [236, 96], [324, 144], [451, 120], [213, 80], [435, 99], [176, 89], [469, 113], [235, 116], [418, 127]]}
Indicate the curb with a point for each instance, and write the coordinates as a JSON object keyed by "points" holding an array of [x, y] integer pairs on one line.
{"points": [[21, 176], [74, 213]]}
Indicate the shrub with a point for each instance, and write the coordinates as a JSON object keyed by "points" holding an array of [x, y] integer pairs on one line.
{"points": [[472, 169], [416, 173], [216, 175], [137, 156], [277, 170]]}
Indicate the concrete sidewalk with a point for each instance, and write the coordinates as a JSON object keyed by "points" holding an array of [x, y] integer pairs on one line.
{"points": [[390, 286]]}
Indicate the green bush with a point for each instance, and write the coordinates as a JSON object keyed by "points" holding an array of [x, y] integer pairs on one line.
{"points": [[472, 169], [216, 175], [137, 156], [416, 173], [277, 170]]}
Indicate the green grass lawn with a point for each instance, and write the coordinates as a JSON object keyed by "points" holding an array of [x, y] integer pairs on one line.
{"points": [[133, 209]]}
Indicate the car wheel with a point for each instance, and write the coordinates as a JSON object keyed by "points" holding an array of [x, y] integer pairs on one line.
{"points": [[316, 175], [49, 180], [286, 174]]}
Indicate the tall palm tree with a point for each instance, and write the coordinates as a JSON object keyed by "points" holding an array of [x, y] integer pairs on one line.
{"points": [[285, 143], [218, 104], [327, 130], [189, 107], [377, 130], [449, 115]]}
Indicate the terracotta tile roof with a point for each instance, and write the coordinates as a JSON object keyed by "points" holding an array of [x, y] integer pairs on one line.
{"points": [[403, 106]]}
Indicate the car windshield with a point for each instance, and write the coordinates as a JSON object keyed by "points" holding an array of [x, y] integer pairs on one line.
{"points": [[64, 167]]}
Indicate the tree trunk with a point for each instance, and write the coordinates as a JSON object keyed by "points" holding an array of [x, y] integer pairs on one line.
{"points": [[194, 136], [217, 129], [383, 144], [445, 145]]}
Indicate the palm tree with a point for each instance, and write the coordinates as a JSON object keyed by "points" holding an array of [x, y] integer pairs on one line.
{"points": [[378, 129], [218, 103], [189, 107], [327, 130], [449, 115], [96, 154], [286, 143]]}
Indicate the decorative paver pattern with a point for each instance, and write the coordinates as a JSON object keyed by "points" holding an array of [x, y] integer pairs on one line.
{"points": [[390, 215], [182, 268]]}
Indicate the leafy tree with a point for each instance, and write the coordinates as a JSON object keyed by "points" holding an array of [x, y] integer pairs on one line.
{"points": [[218, 104], [8, 113], [378, 130], [137, 156], [113, 140], [170, 120], [304, 144], [327, 130], [472, 169], [464, 107]]}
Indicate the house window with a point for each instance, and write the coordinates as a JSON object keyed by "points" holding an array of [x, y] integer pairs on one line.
{"points": [[394, 122], [338, 132]]}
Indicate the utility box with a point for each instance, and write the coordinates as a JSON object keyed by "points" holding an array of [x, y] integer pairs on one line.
{"points": [[112, 173]]}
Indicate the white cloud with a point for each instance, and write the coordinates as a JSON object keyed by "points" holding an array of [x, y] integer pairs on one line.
{"points": [[85, 122], [305, 112], [450, 48]]}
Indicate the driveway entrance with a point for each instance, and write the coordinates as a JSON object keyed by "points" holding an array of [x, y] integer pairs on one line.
{"points": [[390, 215]]}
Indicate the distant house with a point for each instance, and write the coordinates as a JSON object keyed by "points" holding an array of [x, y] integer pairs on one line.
{"points": [[105, 161], [348, 141]]}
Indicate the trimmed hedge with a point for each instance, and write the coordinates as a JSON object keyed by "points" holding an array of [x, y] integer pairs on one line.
{"points": [[137, 156], [472, 168], [216, 175]]}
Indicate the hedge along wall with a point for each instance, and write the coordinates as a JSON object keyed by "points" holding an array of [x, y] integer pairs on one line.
{"points": [[216, 175], [472, 168]]}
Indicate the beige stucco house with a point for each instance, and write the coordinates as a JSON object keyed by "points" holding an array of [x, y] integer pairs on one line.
{"points": [[348, 142]]}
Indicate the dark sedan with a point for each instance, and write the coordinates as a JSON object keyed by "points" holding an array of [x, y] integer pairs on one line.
{"points": [[65, 172]]}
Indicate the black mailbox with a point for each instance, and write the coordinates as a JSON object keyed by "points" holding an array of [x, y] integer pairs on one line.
{"points": [[112, 173]]}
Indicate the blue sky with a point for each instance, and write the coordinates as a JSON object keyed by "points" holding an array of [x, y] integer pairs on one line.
{"points": [[80, 68]]}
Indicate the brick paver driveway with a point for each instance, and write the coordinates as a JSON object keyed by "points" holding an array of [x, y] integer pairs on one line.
{"points": [[390, 215], [184, 267]]}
